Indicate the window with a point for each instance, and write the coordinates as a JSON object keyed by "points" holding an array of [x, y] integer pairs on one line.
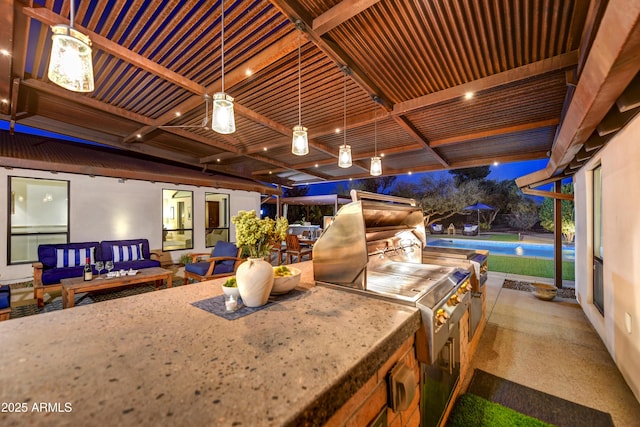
{"points": [[216, 216], [38, 214], [598, 252], [177, 220]]}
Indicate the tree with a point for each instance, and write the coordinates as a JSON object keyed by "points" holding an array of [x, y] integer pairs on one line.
{"points": [[567, 207], [524, 214], [380, 185], [463, 175], [439, 197]]}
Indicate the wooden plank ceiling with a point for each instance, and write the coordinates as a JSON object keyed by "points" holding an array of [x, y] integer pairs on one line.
{"points": [[406, 65]]}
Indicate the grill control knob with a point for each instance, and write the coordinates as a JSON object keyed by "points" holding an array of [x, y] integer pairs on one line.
{"points": [[441, 317], [454, 300]]}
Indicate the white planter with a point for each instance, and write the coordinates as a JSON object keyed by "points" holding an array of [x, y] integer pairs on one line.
{"points": [[255, 280]]}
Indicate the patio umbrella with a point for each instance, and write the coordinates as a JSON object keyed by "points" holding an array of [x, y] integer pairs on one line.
{"points": [[479, 207]]}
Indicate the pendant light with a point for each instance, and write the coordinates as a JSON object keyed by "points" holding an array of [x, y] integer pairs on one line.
{"points": [[376, 162], [300, 142], [344, 157], [222, 119], [70, 64]]}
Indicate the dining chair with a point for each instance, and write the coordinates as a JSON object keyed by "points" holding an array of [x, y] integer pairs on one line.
{"points": [[295, 249], [278, 249]]}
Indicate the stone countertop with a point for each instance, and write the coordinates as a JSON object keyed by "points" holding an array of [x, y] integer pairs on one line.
{"points": [[155, 359]]}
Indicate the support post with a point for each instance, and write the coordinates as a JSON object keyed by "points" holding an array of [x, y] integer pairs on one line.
{"points": [[557, 235]]}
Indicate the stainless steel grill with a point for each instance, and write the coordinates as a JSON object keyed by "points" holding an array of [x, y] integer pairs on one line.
{"points": [[374, 246]]}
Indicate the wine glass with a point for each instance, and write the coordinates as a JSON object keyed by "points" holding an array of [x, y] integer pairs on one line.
{"points": [[99, 267], [109, 266]]}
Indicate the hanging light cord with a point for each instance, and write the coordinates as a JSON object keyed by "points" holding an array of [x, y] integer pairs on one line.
{"points": [[222, 46], [299, 81], [72, 13], [345, 109], [375, 131]]}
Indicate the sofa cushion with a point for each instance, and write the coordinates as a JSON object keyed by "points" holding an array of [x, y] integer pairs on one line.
{"points": [[61, 255], [124, 250], [127, 252], [54, 275], [136, 265], [5, 297]]}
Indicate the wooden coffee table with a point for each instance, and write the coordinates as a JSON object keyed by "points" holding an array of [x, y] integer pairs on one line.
{"points": [[75, 285]]}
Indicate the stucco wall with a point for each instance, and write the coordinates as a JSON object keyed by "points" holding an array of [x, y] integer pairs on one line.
{"points": [[620, 161], [106, 209]]}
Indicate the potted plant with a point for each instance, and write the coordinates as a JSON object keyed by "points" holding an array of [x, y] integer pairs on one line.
{"points": [[230, 287], [256, 237]]}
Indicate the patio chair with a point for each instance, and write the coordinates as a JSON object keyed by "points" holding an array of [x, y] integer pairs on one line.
{"points": [[223, 261], [279, 249], [295, 249], [470, 230], [436, 229]]}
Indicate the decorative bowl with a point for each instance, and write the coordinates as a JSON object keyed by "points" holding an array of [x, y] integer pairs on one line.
{"points": [[284, 284], [543, 291], [231, 291]]}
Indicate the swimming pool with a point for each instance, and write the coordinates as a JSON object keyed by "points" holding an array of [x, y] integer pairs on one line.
{"points": [[532, 250]]}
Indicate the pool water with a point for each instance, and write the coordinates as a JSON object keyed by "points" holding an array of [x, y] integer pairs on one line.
{"points": [[531, 250]]}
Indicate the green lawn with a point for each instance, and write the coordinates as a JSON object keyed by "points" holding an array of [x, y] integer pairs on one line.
{"points": [[530, 266]]}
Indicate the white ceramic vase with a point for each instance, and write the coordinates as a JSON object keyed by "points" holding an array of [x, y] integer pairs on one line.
{"points": [[255, 280]]}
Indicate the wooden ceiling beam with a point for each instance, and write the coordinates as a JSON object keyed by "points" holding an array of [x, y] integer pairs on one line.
{"points": [[340, 13], [614, 121], [630, 99], [415, 134], [494, 132], [547, 194], [83, 100], [555, 63], [6, 43]]}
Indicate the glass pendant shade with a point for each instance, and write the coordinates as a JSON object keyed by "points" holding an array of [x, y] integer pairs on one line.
{"points": [[70, 65], [222, 119], [300, 143], [376, 166], [344, 157]]}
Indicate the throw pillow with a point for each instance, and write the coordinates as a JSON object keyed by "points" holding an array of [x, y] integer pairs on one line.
{"points": [[127, 253], [74, 257]]}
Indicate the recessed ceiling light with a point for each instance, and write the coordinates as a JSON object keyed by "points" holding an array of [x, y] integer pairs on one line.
{"points": [[248, 73], [317, 165], [350, 179], [177, 113], [5, 101], [337, 130], [265, 149], [409, 173], [468, 95], [496, 163], [218, 160], [138, 136], [4, 52], [270, 172], [381, 154]]}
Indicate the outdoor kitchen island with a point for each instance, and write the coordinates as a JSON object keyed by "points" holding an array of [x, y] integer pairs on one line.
{"points": [[319, 356]]}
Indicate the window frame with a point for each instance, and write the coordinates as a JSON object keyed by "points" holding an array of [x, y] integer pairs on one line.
{"points": [[11, 211]]}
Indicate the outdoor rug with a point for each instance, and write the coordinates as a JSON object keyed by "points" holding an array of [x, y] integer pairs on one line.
{"points": [[543, 406]]}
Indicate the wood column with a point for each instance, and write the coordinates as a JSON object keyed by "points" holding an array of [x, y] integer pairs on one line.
{"points": [[557, 235]]}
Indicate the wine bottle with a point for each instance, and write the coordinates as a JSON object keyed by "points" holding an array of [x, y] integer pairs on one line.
{"points": [[88, 272]]}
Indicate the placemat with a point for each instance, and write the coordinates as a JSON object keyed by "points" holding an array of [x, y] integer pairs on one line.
{"points": [[216, 305]]}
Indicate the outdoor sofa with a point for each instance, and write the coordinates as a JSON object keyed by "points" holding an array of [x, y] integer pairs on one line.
{"points": [[64, 260], [436, 228]]}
